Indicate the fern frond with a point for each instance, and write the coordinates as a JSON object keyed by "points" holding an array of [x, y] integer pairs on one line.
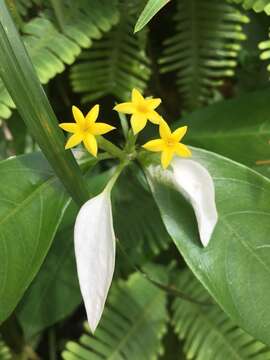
{"points": [[264, 46], [51, 48], [204, 49], [114, 65], [256, 5], [207, 331], [132, 325]]}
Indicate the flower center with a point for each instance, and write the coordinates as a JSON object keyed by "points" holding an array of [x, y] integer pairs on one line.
{"points": [[170, 142], [142, 108]]}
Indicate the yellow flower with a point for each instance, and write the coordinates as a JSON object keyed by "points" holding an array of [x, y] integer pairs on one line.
{"points": [[141, 109], [169, 144], [85, 129]]}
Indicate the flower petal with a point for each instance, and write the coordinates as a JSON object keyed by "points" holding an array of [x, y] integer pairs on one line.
{"points": [[179, 133], [196, 184], [138, 122], [126, 108], [166, 158], [92, 115], [153, 103], [182, 150], [95, 254], [154, 145], [90, 143], [154, 117], [78, 116], [70, 127], [137, 97], [164, 130], [74, 140], [101, 128]]}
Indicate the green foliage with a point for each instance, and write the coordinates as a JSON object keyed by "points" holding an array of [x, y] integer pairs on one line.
{"points": [[207, 331], [114, 65], [141, 234], [151, 9], [36, 204], [234, 267], [256, 5], [264, 46], [54, 43], [132, 325], [54, 294], [237, 128], [204, 48], [20, 78]]}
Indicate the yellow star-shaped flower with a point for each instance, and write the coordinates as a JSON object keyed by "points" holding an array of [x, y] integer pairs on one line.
{"points": [[85, 129], [169, 144], [141, 109]]}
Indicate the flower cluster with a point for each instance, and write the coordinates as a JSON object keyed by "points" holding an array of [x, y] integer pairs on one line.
{"points": [[85, 129]]}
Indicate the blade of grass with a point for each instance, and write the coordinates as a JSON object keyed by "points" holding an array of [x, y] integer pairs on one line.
{"points": [[22, 82]]}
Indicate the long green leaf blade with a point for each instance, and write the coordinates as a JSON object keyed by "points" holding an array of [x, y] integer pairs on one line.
{"points": [[22, 83], [151, 9]]}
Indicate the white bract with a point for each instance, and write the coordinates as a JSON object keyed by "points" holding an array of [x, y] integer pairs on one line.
{"points": [[196, 184], [95, 254]]}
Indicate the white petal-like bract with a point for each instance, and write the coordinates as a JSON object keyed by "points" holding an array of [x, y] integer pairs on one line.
{"points": [[196, 184], [95, 254]]}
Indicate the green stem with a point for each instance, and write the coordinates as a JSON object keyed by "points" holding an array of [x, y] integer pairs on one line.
{"points": [[116, 175], [110, 148]]}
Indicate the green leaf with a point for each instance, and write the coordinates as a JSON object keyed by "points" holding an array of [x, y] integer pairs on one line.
{"points": [[235, 266], [32, 205], [132, 324], [208, 333], [55, 294], [237, 128], [151, 9], [22, 83]]}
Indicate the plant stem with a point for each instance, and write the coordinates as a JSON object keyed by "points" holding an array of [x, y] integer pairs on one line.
{"points": [[110, 148]]}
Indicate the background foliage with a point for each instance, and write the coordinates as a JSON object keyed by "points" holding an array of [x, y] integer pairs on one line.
{"points": [[209, 62]]}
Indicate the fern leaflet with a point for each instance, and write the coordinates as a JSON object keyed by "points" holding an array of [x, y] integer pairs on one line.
{"points": [[114, 65], [51, 47], [204, 48], [207, 331], [132, 325], [256, 5]]}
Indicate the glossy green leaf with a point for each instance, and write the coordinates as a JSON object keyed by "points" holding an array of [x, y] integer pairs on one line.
{"points": [[235, 266], [32, 205], [22, 83], [151, 9], [55, 294], [238, 128]]}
